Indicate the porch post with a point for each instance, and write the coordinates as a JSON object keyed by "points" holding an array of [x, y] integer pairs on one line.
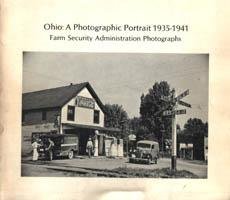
{"points": [[96, 143]]}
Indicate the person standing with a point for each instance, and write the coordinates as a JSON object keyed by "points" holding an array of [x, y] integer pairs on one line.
{"points": [[35, 146], [49, 149], [89, 147]]}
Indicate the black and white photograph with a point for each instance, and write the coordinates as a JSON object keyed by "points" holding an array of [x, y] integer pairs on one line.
{"points": [[115, 115]]}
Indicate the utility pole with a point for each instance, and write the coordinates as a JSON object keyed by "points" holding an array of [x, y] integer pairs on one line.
{"points": [[162, 142], [174, 137], [173, 112]]}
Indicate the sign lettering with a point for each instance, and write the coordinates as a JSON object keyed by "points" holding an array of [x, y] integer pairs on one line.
{"points": [[168, 112], [179, 112], [85, 102], [182, 95], [172, 112], [184, 104]]}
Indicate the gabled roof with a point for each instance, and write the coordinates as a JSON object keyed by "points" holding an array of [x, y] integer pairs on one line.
{"points": [[55, 97]]}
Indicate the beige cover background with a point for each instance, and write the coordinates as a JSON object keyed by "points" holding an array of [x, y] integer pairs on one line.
{"points": [[22, 30]]}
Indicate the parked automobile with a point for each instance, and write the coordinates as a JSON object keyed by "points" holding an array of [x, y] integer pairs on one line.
{"points": [[146, 152], [64, 145]]}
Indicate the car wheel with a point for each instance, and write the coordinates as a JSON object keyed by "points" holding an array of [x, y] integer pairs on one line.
{"points": [[70, 154]]}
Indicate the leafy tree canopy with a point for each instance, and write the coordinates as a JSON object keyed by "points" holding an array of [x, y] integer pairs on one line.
{"points": [[115, 116], [196, 127], [195, 130], [134, 124], [151, 109]]}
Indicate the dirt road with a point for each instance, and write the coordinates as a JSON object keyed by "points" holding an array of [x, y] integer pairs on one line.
{"points": [[41, 168]]}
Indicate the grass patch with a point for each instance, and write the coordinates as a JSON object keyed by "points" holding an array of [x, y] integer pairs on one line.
{"points": [[155, 173]]}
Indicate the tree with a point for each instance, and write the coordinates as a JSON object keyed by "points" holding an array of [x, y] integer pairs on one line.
{"points": [[115, 116], [196, 129], [151, 109], [134, 124], [136, 128]]}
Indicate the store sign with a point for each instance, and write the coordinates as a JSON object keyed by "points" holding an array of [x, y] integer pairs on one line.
{"points": [[85, 102]]}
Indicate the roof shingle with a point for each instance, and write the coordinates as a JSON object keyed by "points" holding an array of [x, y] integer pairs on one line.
{"points": [[54, 97]]}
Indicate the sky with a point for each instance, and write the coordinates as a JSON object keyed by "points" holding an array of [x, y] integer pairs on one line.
{"points": [[121, 78]]}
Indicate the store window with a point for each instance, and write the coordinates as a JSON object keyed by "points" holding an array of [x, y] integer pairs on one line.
{"points": [[96, 118], [70, 113]]}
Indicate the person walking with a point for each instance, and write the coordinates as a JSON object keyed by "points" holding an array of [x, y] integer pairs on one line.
{"points": [[89, 147]]}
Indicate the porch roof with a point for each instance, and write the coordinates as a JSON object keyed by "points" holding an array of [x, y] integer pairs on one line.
{"points": [[99, 128]]}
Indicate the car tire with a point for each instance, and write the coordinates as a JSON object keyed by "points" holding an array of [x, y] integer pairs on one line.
{"points": [[70, 154]]}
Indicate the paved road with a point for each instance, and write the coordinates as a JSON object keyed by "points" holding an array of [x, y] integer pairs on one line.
{"points": [[197, 168]]}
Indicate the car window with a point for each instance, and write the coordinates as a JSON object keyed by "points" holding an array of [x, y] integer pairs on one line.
{"points": [[153, 146], [143, 145]]}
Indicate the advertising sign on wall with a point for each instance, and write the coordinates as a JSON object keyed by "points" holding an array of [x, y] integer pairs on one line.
{"points": [[85, 102]]}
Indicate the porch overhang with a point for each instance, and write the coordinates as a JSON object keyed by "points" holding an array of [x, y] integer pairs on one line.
{"points": [[99, 128]]}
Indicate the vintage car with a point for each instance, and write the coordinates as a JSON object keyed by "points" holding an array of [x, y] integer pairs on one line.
{"points": [[146, 152], [64, 145]]}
